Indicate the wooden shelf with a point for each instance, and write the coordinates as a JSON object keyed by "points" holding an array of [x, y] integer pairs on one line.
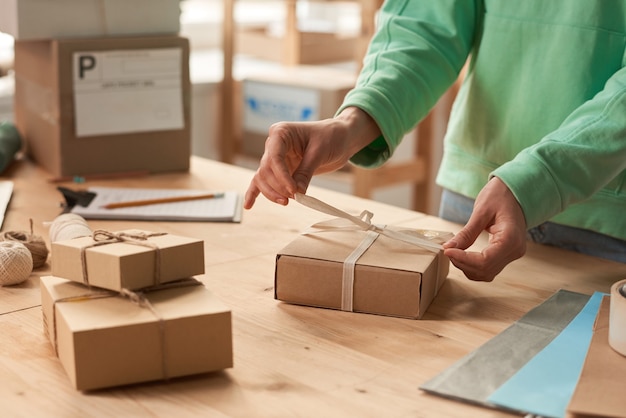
{"points": [[417, 170]]}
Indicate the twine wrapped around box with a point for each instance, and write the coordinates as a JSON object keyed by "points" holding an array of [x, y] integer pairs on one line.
{"points": [[102, 237], [131, 259], [137, 297]]}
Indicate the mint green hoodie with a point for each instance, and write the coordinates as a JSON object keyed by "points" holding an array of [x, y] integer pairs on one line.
{"points": [[543, 105]]}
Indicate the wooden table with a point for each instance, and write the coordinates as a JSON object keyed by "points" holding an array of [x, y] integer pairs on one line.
{"points": [[289, 360]]}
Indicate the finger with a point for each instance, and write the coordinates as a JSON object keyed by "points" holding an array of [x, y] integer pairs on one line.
{"points": [[466, 236], [273, 195], [265, 184], [250, 197], [474, 265], [304, 173], [487, 264], [274, 171], [278, 145]]}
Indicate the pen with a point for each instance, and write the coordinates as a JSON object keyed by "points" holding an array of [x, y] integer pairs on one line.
{"points": [[173, 199]]}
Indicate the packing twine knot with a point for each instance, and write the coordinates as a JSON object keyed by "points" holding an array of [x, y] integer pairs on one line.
{"points": [[103, 237]]}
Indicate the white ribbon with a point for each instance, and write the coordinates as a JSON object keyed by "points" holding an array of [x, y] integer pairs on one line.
{"points": [[422, 239], [347, 282]]}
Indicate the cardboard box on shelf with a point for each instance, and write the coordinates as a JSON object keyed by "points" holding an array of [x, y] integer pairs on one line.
{"points": [[391, 277], [104, 105], [104, 339], [43, 19], [311, 48], [128, 264], [301, 93]]}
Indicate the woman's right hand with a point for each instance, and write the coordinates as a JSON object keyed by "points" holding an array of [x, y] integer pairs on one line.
{"points": [[295, 151]]}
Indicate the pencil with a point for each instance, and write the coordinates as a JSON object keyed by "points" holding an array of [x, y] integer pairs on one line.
{"points": [[173, 199]]}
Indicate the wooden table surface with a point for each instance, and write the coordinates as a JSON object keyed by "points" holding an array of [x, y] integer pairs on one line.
{"points": [[289, 360]]}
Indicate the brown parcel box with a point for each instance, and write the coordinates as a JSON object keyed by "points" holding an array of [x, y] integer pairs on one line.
{"points": [[45, 112], [391, 278], [111, 341], [130, 264]]}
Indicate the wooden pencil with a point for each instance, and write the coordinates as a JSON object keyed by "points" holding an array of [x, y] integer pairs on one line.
{"points": [[172, 199]]}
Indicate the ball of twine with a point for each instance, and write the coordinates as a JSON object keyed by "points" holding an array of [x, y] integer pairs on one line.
{"points": [[16, 263], [68, 226], [34, 243]]}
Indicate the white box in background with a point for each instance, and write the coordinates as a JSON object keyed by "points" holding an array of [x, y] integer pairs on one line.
{"points": [[299, 93], [45, 19]]}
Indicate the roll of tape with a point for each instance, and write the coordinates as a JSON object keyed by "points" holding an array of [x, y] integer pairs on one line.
{"points": [[617, 317]]}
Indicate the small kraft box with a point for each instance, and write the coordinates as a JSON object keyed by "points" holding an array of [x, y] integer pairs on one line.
{"points": [[44, 19], [299, 93], [130, 259], [105, 339], [104, 105], [391, 277]]}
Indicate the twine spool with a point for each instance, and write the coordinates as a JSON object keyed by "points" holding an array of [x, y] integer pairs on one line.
{"points": [[34, 243], [68, 226], [16, 263]]}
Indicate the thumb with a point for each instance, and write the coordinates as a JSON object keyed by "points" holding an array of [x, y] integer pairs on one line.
{"points": [[466, 236], [303, 175]]}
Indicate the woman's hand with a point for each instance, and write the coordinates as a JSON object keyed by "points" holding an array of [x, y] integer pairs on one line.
{"points": [[496, 211], [295, 151]]}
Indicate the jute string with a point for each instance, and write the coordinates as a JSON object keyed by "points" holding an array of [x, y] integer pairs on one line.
{"points": [[16, 263], [34, 243], [102, 237], [20, 253]]}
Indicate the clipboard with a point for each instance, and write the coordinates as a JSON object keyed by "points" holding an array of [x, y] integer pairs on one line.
{"points": [[225, 208]]}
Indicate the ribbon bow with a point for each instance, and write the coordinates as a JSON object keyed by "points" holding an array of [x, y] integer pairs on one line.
{"points": [[423, 239]]}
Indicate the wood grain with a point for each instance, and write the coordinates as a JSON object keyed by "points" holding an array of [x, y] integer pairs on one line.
{"points": [[289, 360]]}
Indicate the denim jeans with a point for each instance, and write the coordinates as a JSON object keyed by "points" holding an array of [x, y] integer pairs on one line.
{"points": [[458, 208]]}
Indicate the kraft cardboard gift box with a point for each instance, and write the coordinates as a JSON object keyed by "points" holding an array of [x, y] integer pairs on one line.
{"points": [[104, 339], [128, 264], [104, 105], [391, 277]]}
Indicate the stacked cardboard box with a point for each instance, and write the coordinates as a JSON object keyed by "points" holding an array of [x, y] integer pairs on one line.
{"points": [[106, 91], [124, 309]]}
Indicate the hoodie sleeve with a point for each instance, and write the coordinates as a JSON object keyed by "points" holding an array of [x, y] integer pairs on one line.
{"points": [[416, 54], [584, 156]]}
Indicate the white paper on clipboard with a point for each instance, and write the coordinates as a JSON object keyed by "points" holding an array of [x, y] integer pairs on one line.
{"points": [[125, 91]]}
